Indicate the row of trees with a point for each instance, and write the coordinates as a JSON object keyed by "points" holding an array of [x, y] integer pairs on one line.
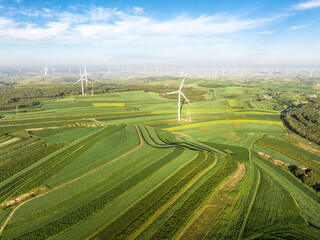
{"points": [[305, 121], [27, 96], [305, 175]]}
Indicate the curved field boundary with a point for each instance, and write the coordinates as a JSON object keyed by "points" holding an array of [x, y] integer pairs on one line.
{"points": [[141, 211], [183, 214], [56, 209], [92, 207], [201, 124], [243, 195], [128, 199], [251, 204], [180, 192], [273, 209], [201, 221], [45, 168], [308, 200], [165, 139], [90, 172]]}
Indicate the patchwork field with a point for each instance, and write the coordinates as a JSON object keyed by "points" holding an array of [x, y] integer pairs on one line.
{"points": [[120, 166]]}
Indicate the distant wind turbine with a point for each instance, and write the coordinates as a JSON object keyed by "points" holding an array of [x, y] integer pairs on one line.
{"points": [[45, 70], [92, 88], [179, 98], [81, 80], [85, 75]]}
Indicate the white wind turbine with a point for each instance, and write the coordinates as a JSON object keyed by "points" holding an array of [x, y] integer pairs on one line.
{"points": [[179, 98], [45, 70], [85, 74], [81, 80]]}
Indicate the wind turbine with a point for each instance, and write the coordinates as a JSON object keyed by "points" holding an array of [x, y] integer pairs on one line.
{"points": [[45, 70], [92, 88], [179, 98], [85, 74], [81, 80]]}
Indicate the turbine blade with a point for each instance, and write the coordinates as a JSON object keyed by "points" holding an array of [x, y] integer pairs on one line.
{"points": [[185, 98], [181, 84], [172, 92]]}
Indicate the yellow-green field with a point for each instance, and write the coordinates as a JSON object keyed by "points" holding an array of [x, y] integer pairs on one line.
{"points": [[106, 104], [201, 124]]}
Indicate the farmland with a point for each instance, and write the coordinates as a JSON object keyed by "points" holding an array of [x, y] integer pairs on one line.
{"points": [[118, 165]]}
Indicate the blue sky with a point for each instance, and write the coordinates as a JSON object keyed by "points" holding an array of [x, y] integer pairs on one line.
{"points": [[211, 33]]}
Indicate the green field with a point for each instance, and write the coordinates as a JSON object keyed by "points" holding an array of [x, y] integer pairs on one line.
{"points": [[118, 165]]}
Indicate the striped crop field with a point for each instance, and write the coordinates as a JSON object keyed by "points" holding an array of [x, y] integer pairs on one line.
{"points": [[118, 165], [136, 172], [201, 124]]}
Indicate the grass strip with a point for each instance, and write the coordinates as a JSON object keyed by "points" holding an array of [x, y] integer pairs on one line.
{"points": [[138, 214], [173, 225], [99, 203]]}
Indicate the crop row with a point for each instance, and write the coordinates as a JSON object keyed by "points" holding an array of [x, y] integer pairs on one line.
{"points": [[308, 201], [244, 195], [18, 147], [168, 138], [273, 207], [12, 128], [68, 118], [239, 154], [22, 160], [4, 138], [11, 142], [305, 157], [171, 227], [138, 214], [100, 202], [117, 144], [150, 137], [193, 125], [50, 132], [38, 175], [63, 201]]}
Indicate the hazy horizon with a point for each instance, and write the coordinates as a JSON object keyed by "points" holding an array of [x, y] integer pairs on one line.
{"points": [[121, 33]]}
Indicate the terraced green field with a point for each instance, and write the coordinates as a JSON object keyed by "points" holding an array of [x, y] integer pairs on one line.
{"points": [[120, 166]]}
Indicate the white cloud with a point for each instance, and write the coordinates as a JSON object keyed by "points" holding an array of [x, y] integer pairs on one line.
{"points": [[296, 27], [103, 26], [266, 32], [307, 5], [138, 10], [45, 12]]}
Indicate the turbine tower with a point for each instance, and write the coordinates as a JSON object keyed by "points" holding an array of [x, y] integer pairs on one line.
{"points": [[179, 98], [45, 70], [85, 74], [81, 80]]}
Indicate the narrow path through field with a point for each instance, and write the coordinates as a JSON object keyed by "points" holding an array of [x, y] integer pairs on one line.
{"points": [[203, 219], [71, 181]]}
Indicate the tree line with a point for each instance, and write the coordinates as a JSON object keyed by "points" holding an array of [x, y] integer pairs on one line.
{"points": [[12, 97], [305, 120]]}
